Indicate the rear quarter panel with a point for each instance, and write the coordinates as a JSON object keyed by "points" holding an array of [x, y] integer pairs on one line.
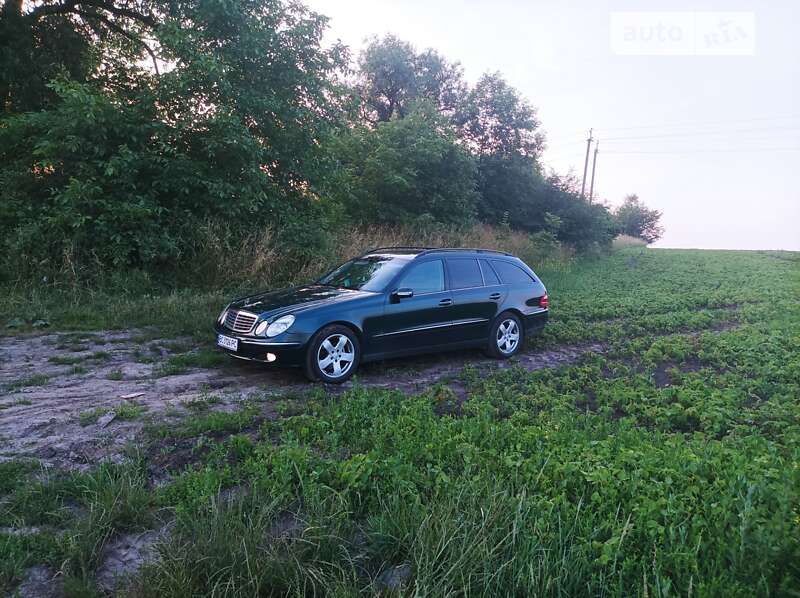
{"points": [[525, 298]]}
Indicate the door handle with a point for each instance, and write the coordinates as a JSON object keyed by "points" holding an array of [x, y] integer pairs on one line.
{"points": [[494, 296], [445, 302]]}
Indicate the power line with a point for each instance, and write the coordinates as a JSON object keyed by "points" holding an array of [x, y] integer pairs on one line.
{"points": [[562, 145], [700, 123], [689, 123], [707, 150], [703, 133], [718, 136]]}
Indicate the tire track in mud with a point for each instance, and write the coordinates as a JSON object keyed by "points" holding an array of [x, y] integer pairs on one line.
{"points": [[43, 421]]}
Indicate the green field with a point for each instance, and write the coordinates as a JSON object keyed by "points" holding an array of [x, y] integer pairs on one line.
{"points": [[665, 463]]}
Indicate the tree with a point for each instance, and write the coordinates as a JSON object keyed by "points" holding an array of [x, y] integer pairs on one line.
{"points": [[123, 174], [508, 187], [392, 77], [78, 39], [405, 170], [636, 220], [494, 119]]}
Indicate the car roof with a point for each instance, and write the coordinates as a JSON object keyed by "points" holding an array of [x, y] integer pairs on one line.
{"points": [[414, 252]]}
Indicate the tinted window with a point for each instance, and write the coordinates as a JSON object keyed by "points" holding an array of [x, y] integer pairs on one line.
{"points": [[464, 273], [511, 274], [488, 274], [427, 277], [370, 273]]}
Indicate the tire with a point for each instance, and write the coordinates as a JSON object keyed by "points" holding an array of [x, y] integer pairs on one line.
{"points": [[341, 343], [505, 336]]}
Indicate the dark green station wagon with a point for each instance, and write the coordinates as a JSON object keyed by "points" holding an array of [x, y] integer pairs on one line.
{"points": [[389, 302]]}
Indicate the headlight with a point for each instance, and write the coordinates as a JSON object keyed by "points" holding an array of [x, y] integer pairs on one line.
{"points": [[262, 326], [222, 315], [280, 325]]}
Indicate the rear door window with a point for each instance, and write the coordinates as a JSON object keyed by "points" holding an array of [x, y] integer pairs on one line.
{"points": [[427, 277], [464, 273], [489, 277], [510, 273]]}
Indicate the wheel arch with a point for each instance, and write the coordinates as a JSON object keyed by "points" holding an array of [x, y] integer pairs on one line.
{"points": [[514, 311], [347, 324]]}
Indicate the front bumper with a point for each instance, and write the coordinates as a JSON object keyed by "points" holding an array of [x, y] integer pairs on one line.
{"points": [[287, 352]]}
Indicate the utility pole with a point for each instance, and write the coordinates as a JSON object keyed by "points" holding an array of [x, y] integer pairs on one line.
{"points": [[586, 164], [594, 165]]}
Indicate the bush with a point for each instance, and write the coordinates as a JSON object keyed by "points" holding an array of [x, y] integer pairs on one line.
{"points": [[405, 170], [636, 220]]}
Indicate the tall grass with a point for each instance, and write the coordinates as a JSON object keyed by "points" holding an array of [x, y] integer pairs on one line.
{"points": [[628, 241], [224, 257], [183, 298]]}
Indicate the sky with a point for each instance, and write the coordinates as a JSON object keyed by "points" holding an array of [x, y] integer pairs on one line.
{"points": [[696, 105]]}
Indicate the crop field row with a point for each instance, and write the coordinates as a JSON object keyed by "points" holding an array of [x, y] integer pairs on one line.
{"points": [[664, 461]]}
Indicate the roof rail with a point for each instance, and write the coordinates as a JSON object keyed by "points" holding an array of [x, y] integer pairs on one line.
{"points": [[473, 249], [413, 247], [425, 250]]}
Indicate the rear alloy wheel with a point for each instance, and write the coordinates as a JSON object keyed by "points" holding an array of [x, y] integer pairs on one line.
{"points": [[505, 337], [333, 355]]}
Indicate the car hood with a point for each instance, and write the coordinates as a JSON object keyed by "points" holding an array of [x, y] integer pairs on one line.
{"points": [[295, 299]]}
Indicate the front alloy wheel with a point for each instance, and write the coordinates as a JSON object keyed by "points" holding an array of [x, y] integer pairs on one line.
{"points": [[333, 355]]}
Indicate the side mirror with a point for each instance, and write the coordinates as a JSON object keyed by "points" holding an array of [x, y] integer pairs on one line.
{"points": [[403, 294]]}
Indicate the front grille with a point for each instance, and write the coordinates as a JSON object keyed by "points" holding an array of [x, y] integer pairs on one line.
{"points": [[240, 321]]}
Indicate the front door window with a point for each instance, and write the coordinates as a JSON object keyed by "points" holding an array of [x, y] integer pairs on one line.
{"points": [[424, 278]]}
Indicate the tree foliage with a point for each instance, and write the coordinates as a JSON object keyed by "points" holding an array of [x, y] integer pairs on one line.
{"points": [[127, 124], [405, 170], [393, 77], [637, 220], [495, 120], [231, 131], [494, 124]]}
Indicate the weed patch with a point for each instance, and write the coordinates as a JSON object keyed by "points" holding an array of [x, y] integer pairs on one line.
{"points": [[34, 380], [178, 364]]}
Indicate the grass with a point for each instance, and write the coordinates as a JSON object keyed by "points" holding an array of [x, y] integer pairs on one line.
{"points": [[623, 241], [123, 412], [90, 417], [32, 380], [215, 423], [100, 356], [13, 474], [65, 359], [185, 301], [178, 364], [84, 510], [129, 411], [667, 464], [201, 404]]}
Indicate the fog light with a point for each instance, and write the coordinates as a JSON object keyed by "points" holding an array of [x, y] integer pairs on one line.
{"points": [[271, 357]]}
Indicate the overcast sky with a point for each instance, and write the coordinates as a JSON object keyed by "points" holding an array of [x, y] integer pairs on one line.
{"points": [[697, 113]]}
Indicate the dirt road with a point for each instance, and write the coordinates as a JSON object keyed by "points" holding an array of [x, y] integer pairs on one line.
{"points": [[67, 399]]}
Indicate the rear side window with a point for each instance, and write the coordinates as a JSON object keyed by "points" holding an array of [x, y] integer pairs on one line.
{"points": [[427, 277], [464, 273], [488, 274], [510, 273]]}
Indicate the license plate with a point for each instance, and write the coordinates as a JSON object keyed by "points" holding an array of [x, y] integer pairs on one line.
{"points": [[228, 342]]}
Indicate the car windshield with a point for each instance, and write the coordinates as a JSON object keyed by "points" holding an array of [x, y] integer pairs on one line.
{"points": [[369, 273]]}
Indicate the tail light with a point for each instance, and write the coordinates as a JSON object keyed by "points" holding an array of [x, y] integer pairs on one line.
{"points": [[544, 301]]}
